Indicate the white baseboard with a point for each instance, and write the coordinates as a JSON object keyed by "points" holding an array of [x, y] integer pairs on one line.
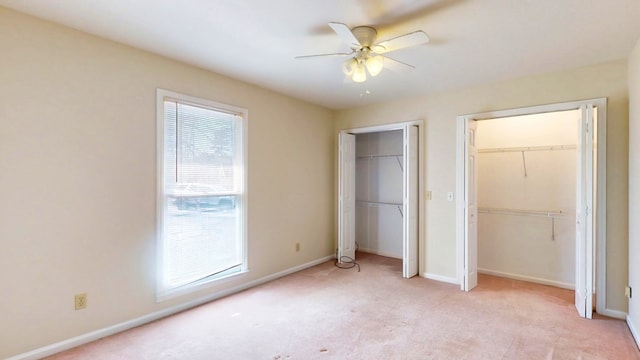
{"points": [[114, 329], [527, 278], [634, 331], [381, 253], [616, 314], [450, 280]]}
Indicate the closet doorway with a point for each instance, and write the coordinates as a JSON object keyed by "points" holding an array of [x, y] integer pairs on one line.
{"points": [[531, 207], [527, 197], [379, 182]]}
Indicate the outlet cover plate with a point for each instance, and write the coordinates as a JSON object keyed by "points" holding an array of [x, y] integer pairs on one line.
{"points": [[81, 301]]}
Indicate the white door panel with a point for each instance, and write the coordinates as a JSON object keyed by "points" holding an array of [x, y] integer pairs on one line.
{"points": [[584, 214], [346, 194], [471, 200]]}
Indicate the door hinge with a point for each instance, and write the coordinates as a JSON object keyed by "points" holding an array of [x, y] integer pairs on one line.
{"points": [[627, 291]]}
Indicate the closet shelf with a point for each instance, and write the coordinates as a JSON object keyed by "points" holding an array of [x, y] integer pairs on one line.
{"points": [[371, 157], [522, 212], [529, 148]]}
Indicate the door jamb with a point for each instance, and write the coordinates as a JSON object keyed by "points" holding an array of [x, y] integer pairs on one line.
{"points": [[601, 226]]}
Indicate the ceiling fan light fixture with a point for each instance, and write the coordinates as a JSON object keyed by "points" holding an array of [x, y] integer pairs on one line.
{"points": [[349, 66], [374, 64], [359, 73], [367, 55], [379, 49]]}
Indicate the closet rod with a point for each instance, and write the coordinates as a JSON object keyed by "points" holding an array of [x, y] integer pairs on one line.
{"points": [[378, 156], [378, 203], [521, 212], [528, 148]]}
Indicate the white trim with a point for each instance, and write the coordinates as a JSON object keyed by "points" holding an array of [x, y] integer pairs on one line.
{"points": [[198, 101], [381, 253], [385, 127], [162, 291], [537, 109], [145, 319], [634, 331], [460, 201], [601, 225], [441, 278], [422, 206], [198, 286], [532, 279], [600, 278], [616, 314]]}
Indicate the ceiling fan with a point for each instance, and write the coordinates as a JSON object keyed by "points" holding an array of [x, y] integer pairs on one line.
{"points": [[366, 54]]}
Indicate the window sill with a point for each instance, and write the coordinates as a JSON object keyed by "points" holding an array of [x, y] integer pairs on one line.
{"points": [[164, 295]]}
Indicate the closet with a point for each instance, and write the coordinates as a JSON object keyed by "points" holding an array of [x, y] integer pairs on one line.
{"points": [[527, 197], [379, 193]]}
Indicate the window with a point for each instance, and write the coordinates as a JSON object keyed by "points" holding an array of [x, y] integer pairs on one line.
{"points": [[201, 192]]}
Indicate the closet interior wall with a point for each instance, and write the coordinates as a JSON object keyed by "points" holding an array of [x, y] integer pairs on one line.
{"points": [[527, 197], [379, 192]]}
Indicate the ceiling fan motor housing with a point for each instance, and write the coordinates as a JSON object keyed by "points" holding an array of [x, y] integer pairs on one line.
{"points": [[366, 35]]}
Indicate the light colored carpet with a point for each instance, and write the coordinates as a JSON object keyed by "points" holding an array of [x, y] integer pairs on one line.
{"points": [[329, 313]]}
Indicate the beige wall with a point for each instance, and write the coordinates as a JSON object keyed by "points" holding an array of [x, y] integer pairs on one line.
{"points": [[439, 113], [634, 189], [77, 179]]}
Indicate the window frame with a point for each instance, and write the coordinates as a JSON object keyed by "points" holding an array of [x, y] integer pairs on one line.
{"points": [[163, 292]]}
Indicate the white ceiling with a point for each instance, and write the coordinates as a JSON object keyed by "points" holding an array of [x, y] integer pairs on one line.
{"points": [[472, 41]]}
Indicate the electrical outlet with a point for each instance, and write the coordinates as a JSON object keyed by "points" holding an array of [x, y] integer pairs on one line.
{"points": [[627, 291], [297, 247], [81, 301]]}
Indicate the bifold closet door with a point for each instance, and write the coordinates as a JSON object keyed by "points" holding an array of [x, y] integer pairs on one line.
{"points": [[584, 213], [346, 194], [471, 201]]}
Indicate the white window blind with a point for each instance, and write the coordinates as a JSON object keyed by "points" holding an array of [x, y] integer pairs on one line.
{"points": [[201, 192]]}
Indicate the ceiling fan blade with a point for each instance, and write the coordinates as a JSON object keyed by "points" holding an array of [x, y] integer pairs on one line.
{"points": [[400, 42], [322, 55], [396, 65], [345, 34]]}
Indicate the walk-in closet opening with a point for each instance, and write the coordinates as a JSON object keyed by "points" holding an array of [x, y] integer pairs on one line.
{"points": [[532, 198], [379, 182], [527, 197]]}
